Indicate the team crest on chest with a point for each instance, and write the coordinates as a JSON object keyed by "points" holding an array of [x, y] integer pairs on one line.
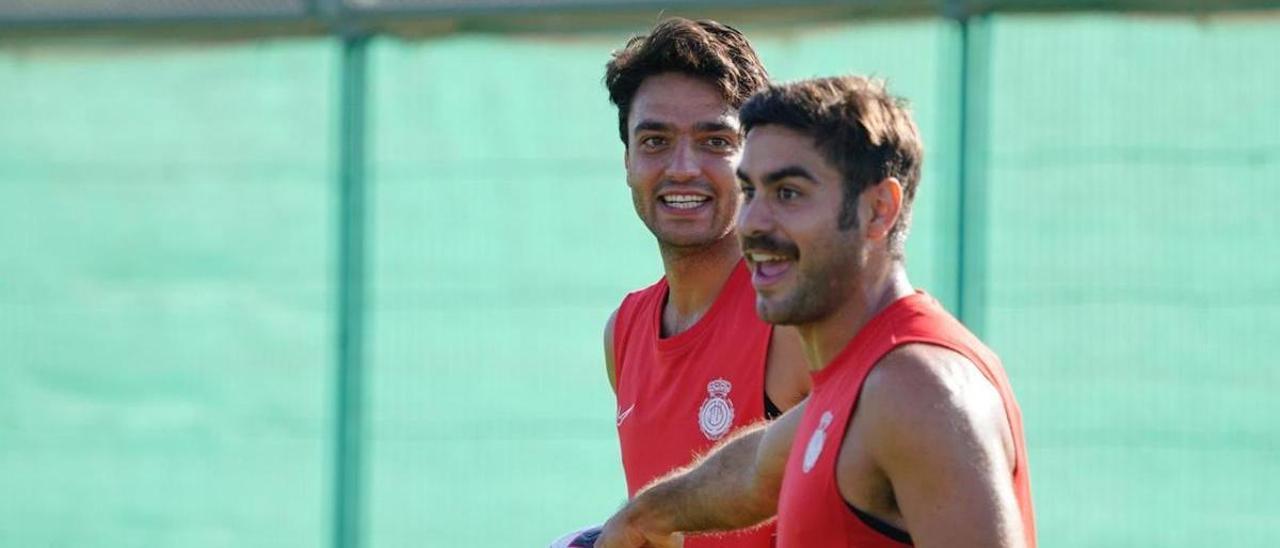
{"points": [[716, 414], [816, 441]]}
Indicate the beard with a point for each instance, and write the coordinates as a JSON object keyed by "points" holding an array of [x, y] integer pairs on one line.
{"points": [[823, 282]]}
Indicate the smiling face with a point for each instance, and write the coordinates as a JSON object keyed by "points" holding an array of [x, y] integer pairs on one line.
{"points": [[803, 265], [684, 144]]}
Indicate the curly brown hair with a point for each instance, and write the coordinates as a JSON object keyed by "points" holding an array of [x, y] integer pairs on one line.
{"points": [[705, 49]]}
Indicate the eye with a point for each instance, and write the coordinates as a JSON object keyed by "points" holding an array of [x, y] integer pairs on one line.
{"points": [[787, 194], [748, 191], [653, 142], [720, 143]]}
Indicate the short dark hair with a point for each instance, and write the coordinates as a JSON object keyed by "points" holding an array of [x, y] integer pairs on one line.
{"points": [[708, 50], [865, 132]]}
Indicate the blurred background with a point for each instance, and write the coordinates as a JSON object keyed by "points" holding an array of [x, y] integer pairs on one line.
{"points": [[299, 273]]}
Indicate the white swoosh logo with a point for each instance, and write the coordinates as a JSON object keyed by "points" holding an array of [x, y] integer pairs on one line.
{"points": [[623, 415]]}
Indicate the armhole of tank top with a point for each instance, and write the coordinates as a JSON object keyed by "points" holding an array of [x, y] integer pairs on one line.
{"points": [[878, 525], [621, 324], [771, 410]]}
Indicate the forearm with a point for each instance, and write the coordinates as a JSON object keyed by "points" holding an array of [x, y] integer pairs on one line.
{"points": [[721, 492]]}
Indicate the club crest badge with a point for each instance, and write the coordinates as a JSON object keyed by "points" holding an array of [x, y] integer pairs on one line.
{"points": [[715, 417], [816, 441]]}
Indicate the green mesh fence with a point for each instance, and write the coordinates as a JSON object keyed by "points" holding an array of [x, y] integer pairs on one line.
{"points": [[167, 275], [164, 294], [1134, 275]]}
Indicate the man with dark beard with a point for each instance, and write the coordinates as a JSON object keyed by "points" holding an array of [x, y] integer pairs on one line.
{"points": [[688, 358], [911, 434]]}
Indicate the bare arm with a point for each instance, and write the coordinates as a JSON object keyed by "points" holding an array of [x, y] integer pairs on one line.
{"points": [[610, 369], [735, 486], [937, 430]]}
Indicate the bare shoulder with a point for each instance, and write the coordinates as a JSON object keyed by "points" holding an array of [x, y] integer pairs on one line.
{"points": [[610, 367], [913, 374], [787, 379], [921, 395], [935, 429]]}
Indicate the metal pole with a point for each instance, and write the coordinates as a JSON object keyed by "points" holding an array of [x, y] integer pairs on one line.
{"points": [[349, 412]]}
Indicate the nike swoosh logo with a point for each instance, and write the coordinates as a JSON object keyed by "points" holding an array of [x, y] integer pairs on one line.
{"points": [[623, 415]]}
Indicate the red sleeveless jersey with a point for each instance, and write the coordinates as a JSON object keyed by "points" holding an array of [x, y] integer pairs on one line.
{"points": [[678, 396], [811, 510]]}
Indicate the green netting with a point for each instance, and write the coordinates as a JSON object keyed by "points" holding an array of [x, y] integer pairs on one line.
{"points": [[1134, 274], [167, 276], [164, 295]]}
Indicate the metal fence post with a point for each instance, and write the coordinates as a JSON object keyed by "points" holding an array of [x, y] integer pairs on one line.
{"points": [[349, 410]]}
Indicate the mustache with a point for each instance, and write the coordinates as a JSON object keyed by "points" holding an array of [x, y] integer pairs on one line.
{"points": [[769, 244], [699, 184]]}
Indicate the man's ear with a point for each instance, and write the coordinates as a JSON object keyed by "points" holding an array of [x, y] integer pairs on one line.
{"points": [[884, 205]]}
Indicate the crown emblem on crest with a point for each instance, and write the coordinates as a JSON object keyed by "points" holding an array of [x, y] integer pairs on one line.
{"points": [[719, 388]]}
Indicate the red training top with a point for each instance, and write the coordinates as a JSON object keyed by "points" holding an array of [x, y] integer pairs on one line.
{"points": [[811, 510], [678, 396]]}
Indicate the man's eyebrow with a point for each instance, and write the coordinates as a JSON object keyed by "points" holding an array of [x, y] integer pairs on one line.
{"points": [[778, 175], [651, 125], [788, 172], [713, 127]]}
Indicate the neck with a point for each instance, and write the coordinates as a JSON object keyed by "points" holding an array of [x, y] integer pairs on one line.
{"points": [[875, 290], [694, 280]]}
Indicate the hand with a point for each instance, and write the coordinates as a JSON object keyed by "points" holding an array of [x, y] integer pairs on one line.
{"points": [[619, 534]]}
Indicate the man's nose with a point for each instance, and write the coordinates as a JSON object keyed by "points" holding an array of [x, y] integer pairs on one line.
{"points": [[755, 218], [684, 163]]}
